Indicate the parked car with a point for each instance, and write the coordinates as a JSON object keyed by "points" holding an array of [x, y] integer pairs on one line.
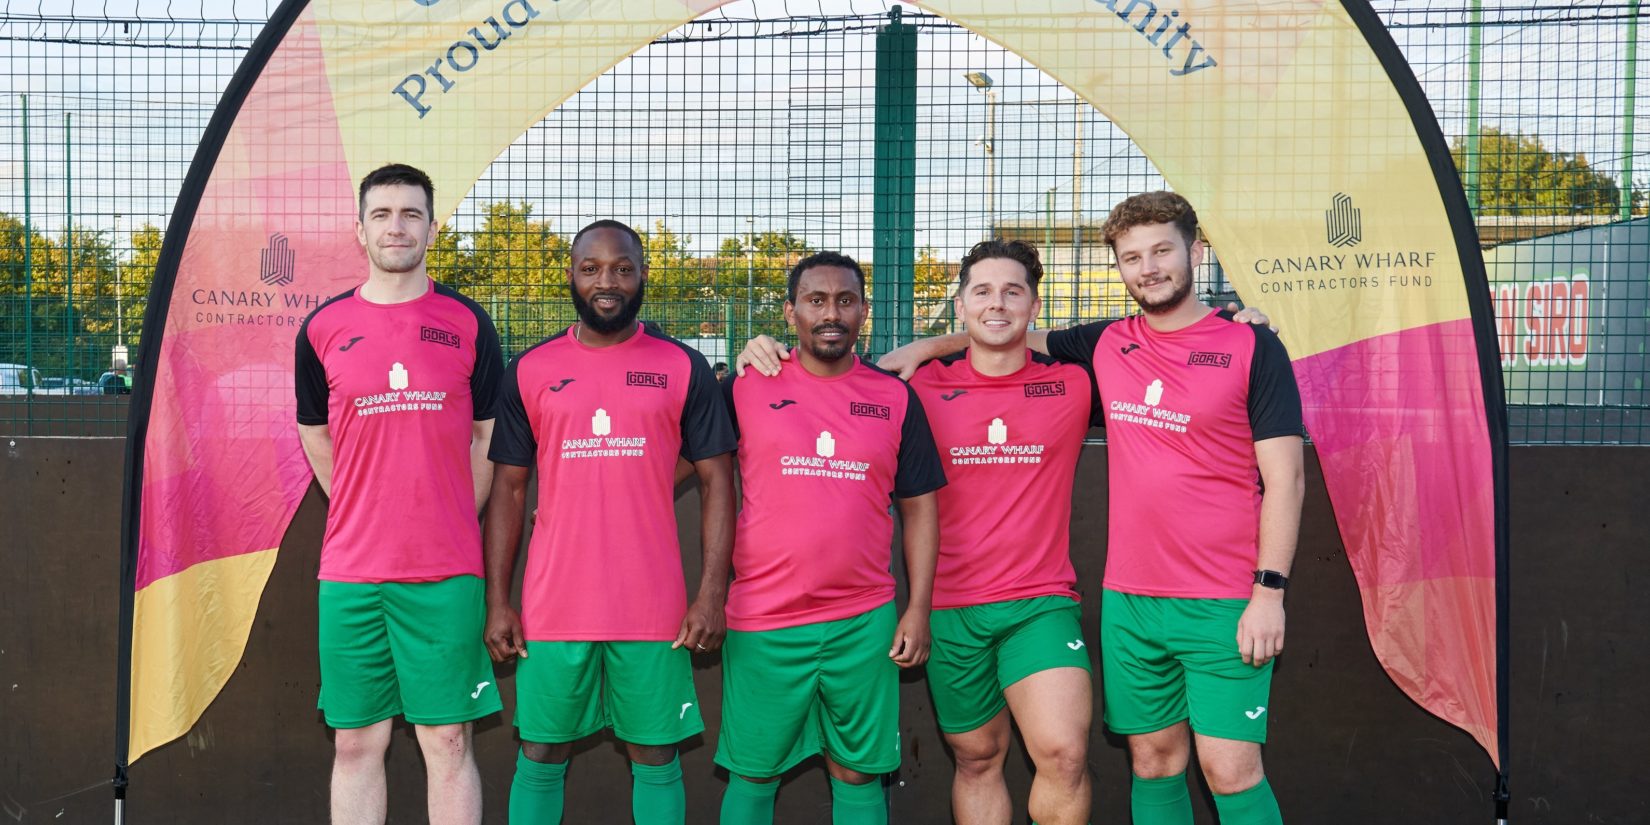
{"points": [[18, 379], [115, 383]]}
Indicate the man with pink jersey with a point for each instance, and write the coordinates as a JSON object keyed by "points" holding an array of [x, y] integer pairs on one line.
{"points": [[1203, 427], [814, 648], [396, 386], [604, 410]]}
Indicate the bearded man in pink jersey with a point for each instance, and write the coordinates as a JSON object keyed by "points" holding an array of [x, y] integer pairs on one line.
{"points": [[396, 383], [604, 410]]}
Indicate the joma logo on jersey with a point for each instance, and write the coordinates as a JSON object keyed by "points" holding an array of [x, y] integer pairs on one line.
{"points": [[864, 410], [438, 336], [647, 379], [1046, 389], [1210, 359]]}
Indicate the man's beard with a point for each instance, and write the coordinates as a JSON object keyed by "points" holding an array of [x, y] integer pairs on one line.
{"points": [[1167, 304], [619, 321], [826, 351]]}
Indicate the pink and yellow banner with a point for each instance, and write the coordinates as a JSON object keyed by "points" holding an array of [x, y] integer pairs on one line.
{"points": [[1293, 125]]}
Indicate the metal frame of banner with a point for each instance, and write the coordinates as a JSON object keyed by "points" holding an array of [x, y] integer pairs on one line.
{"points": [[154, 329], [1483, 328]]}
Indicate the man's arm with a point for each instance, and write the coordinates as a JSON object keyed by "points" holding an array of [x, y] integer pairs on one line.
{"points": [[317, 441], [1282, 473], [481, 470], [706, 621], [920, 534], [500, 542]]}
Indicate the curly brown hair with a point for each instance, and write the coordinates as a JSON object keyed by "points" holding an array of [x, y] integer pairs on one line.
{"points": [[1150, 208]]}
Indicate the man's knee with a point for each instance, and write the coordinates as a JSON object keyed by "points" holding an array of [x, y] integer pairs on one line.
{"points": [[445, 744], [547, 753], [650, 754], [1065, 759], [1232, 772], [361, 745], [979, 756], [1161, 754]]}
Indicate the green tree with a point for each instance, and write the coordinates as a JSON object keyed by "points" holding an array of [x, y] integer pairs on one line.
{"points": [[1519, 175], [515, 266]]}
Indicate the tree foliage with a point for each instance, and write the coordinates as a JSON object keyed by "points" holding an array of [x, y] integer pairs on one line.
{"points": [[1519, 176]]}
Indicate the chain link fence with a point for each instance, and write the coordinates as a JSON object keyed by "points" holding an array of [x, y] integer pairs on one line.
{"points": [[744, 140]]}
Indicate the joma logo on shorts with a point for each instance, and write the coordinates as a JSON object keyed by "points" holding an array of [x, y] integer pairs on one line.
{"points": [[865, 410], [1046, 389], [1210, 359], [438, 336], [647, 379]]}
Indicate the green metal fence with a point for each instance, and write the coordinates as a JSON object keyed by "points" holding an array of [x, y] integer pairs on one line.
{"points": [[749, 137]]}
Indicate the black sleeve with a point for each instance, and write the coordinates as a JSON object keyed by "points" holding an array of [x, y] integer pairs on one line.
{"points": [[310, 381], [1097, 406], [1274, 398], [484, 377], [706, 429], [727, 402], [920, 470], [513, 441], [1075, 345]]}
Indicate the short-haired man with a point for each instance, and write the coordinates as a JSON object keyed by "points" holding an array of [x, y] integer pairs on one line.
{"points": [[604, 410], [396, 384], [1007, 628], [823, 447]]}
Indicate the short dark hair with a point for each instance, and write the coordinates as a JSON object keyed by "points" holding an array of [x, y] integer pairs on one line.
{"points": [[1151, 208], [822, 259], [396, 174], [1019, 252], [608, 223]]}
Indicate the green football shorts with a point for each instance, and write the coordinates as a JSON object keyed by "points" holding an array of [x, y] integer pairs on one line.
{"points": [[828, 687], [980, 650], [1163, 660], [566, 691], [409, 648]]}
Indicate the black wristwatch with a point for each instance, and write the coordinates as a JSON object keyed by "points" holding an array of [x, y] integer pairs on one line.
{"points": [[1272, 579]]}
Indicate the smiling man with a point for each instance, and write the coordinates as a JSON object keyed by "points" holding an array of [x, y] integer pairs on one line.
{"points": [[1008, 637], [604, 410], [814, 645], [396, 386]]}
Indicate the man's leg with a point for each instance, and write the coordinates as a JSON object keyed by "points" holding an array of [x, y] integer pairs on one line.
{"points": [[979, 795], [656, 793], [769, 715], [538, 791], [359, 795], [749, 800], [1158, 759], [856, 797], [453, 783], [1238, 781], [1054, 709]]}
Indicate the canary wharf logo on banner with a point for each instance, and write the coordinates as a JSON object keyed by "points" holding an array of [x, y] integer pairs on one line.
{"points": [[1345, 223], [274, 307], [1366, 268]]}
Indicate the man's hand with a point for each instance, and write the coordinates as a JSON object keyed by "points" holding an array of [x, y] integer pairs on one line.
{"points": [[703, 627], [503, 635], [911, 639], [1260, 630], [762, 352], [1250, 315]]}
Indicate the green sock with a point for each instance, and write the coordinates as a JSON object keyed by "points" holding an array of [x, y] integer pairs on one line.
{"points": [[748, 803], [858, 804], [536, 792], [1256, 806], [656, 794], [1163, 801]]}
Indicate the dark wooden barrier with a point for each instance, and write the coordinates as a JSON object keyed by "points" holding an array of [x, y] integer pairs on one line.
{"points": [[1346, 746]]}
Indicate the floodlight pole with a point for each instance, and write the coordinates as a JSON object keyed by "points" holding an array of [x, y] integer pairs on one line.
{"points": [[1475, 59], [1627, 110]]}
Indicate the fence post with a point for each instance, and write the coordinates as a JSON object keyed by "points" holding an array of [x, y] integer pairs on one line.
{"points": [[894, 187], [1627, 103]]}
